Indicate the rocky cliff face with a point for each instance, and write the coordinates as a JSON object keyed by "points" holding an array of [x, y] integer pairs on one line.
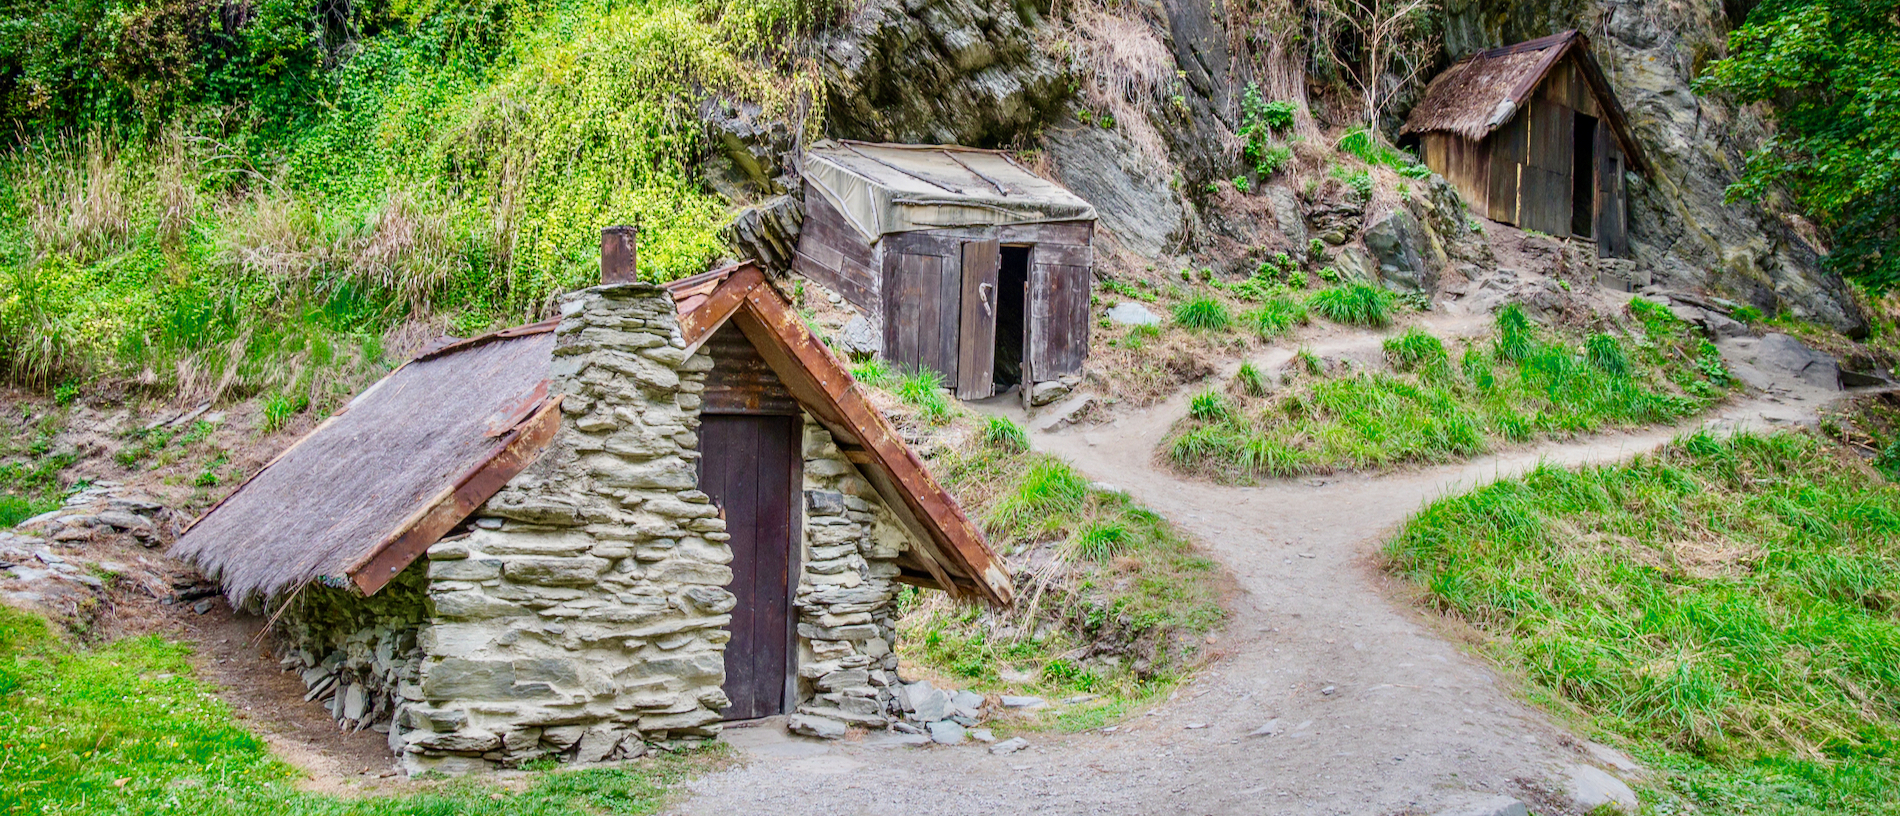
{"points": [[993, 72]]}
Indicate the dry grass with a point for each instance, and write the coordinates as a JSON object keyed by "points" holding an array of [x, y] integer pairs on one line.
{"points": [[76, 201]]}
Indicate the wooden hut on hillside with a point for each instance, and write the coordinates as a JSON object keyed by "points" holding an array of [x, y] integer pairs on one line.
{"points": [[1531, 135], [965, 261]]}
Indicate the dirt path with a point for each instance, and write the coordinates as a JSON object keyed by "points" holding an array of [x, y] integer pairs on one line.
{"points": [[1376, 712]]}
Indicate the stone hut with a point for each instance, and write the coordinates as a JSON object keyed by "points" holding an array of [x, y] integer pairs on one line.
{"points": [[667, 508]]}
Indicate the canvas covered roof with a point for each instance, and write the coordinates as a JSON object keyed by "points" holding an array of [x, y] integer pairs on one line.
{"points": [[886, 188], [366, 492], [1483, 91]]}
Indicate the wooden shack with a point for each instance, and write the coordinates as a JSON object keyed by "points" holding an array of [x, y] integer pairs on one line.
{"points": [[963, 260], [1531, 136]]}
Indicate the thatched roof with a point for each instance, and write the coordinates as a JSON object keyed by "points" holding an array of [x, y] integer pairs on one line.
{"points": [[1483, 91], [365, 493], [384, 468]]}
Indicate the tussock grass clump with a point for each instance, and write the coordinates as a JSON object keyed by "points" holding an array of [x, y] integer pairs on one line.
{"points": [[1276, 316], [1203, 313], [923, 391], [1427, 410], [1250, 381], [1355, 304], [1208, 406], [1003, 434], [1725, 606]]}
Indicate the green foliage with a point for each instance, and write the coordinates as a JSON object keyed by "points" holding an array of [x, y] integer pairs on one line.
{"points": [[923, 391], [875, 373], [1203, 313], [236, 197], [127, 729], [1516, 339], [1372, 149], [1355, 304], [1275, 317], [1747, 314], [1250, 381], [1359, 181], [1724, 606], [1003, 434], [1259, 121], [1413, 350], [1830, 71], [1209, 406], [279, 408], [1427, 410]]}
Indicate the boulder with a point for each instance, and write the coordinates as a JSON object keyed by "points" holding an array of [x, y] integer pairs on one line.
{"points": [[814, 726], [859, 339], [1590, 788], [946, 732], [1393, 242], [1781, 353], [1130, 313]]}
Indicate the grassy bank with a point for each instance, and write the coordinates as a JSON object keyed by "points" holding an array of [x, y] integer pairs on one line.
{"points": [[301, 195], [1111, 599], [1436, 404], [126, 729], [1725, 608]]}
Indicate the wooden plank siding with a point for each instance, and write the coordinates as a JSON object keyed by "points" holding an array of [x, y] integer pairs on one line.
{"points": [[1612, 216], [833, 254], [1464, 163], [741, 382], [1507, 168]]}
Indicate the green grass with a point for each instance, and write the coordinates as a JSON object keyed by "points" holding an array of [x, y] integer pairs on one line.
{"points": [[1203, 313], [126, 729], [1354, 304], [1525, 384], [30, 468], [1116, 606], [1725, 607], [1275, 316], [923, 391]]}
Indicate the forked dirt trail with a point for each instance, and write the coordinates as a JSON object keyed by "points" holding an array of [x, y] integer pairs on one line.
{"points": [[1374, 712]]}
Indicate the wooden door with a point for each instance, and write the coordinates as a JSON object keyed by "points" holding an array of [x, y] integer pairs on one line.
{"points": [[976, 335], [750, 465], [1612, 225], [1544, 193], [1058, 324], [922, 296]]}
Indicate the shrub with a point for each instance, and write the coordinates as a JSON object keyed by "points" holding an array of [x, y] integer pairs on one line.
{"points": [[1208, 406], [1005, 435], [1413, 350], [1357, 304], [1203, 313]]}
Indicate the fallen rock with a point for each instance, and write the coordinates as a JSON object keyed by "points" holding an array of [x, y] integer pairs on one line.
{"points": [[1009, 746], [946, 732], [811, 726], [1046, 392], [982, 735], [1271, 728], [1130, 313], [927, 704], [1069, 412], [1590, 787], [1023, 702], [858, 339]]}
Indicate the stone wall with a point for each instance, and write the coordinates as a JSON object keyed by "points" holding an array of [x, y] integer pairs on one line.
{"points": [[585, 614], [357, 655], [846, 600]]}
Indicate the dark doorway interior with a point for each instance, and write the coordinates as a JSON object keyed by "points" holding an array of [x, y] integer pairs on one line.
{"points": [[1583, 176], [1011, 282], [750, 467]]}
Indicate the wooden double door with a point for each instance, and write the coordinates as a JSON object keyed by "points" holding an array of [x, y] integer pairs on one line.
{"points": [[967, 307], [751, 466]]}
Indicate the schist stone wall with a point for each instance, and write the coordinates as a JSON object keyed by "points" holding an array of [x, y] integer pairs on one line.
{"points": [[585, 614]]}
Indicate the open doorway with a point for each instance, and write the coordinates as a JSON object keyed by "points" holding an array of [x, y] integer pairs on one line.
{"points": [[1012, 280], [1583, 176]]}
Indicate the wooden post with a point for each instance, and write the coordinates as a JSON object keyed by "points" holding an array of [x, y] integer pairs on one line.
{"points": [[620, 254]]}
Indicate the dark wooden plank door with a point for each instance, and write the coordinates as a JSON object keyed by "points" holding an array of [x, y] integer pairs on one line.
{"points": [[1612, 227], [749, 464], [1544, 194], [1058, 318], [976, 334], [922, 295]]}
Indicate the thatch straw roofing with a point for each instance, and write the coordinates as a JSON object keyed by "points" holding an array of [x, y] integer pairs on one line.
{"points": [[1483, 91], [365, 493], [353, 487]]}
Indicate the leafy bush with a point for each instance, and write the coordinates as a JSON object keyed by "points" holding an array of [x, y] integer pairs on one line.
{"points": [[1356, 303], [1203, 313]]}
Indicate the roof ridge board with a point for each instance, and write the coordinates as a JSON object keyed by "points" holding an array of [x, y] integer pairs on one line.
{"points": [[465, 344]]}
